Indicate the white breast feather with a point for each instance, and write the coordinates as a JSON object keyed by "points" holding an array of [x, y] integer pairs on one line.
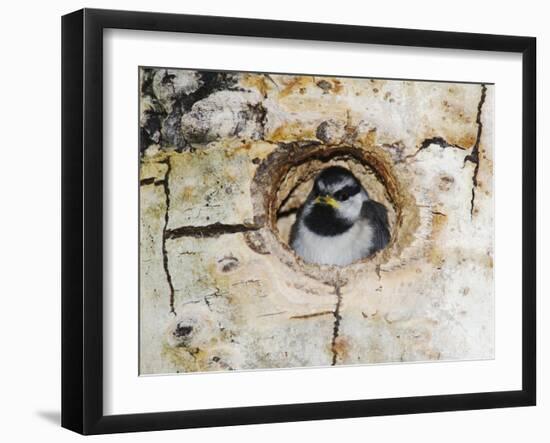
{"points": [[341, 250]]}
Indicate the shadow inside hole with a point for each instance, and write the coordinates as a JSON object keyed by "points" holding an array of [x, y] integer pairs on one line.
{"points": [[298, 182]]}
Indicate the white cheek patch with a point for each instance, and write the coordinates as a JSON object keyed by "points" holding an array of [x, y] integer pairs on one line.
{"points": [[351, 208], [335, 187]]}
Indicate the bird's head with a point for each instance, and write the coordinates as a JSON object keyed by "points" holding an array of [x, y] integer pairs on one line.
{"points": [[335, 201]]}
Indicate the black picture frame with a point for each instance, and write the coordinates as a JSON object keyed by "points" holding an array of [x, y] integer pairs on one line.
{"points": [[82, 219]]}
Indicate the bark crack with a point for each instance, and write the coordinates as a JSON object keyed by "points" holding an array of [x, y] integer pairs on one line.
{"points": [[150, 181], [474, 155], [165, 184], [440, 141], [212, 230], [271, 314], [336, 326], [315, 314]]}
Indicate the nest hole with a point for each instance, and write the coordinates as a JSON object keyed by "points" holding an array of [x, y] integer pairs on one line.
{"points": [[285, 178]]}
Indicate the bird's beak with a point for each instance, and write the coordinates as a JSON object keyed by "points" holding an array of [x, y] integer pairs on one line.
{"points": [[327, 200]]}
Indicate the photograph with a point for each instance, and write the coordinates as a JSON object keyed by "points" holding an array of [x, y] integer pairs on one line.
{"points": [[253, 222], [291, 220]]}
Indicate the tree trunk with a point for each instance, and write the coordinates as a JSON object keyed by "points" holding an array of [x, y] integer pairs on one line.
{"points": [[224, 169]]}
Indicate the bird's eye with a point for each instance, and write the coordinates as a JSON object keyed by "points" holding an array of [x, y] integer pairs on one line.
{"points": [[342, 196]]}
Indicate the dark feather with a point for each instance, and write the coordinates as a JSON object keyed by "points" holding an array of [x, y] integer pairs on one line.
{"points": [[334, 175], [377, 215], [294, 229], [323, 220]]}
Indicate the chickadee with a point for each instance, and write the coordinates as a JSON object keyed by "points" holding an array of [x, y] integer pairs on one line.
{"points": [[338, 223]]}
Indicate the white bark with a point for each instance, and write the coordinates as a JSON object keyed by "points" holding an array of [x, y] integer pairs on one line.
{"points": [[220, 290]]}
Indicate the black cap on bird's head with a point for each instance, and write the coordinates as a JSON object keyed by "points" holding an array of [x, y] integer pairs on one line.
{"points": [[337, 182], [334, 175]]}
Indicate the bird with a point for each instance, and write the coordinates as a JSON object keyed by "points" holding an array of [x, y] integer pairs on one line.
{"points": [[339, 223]]}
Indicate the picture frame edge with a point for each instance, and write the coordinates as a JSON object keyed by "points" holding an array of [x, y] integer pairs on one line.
{"points": [[82, 333]]}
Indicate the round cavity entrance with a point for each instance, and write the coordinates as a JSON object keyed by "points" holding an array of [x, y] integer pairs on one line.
{"points": [[285, 178]]}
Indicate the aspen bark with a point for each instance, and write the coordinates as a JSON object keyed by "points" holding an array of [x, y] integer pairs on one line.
{"points": [[226, 159]]}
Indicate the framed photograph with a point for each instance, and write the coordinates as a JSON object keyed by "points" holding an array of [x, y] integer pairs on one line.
{"points": [[270, 221]]}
